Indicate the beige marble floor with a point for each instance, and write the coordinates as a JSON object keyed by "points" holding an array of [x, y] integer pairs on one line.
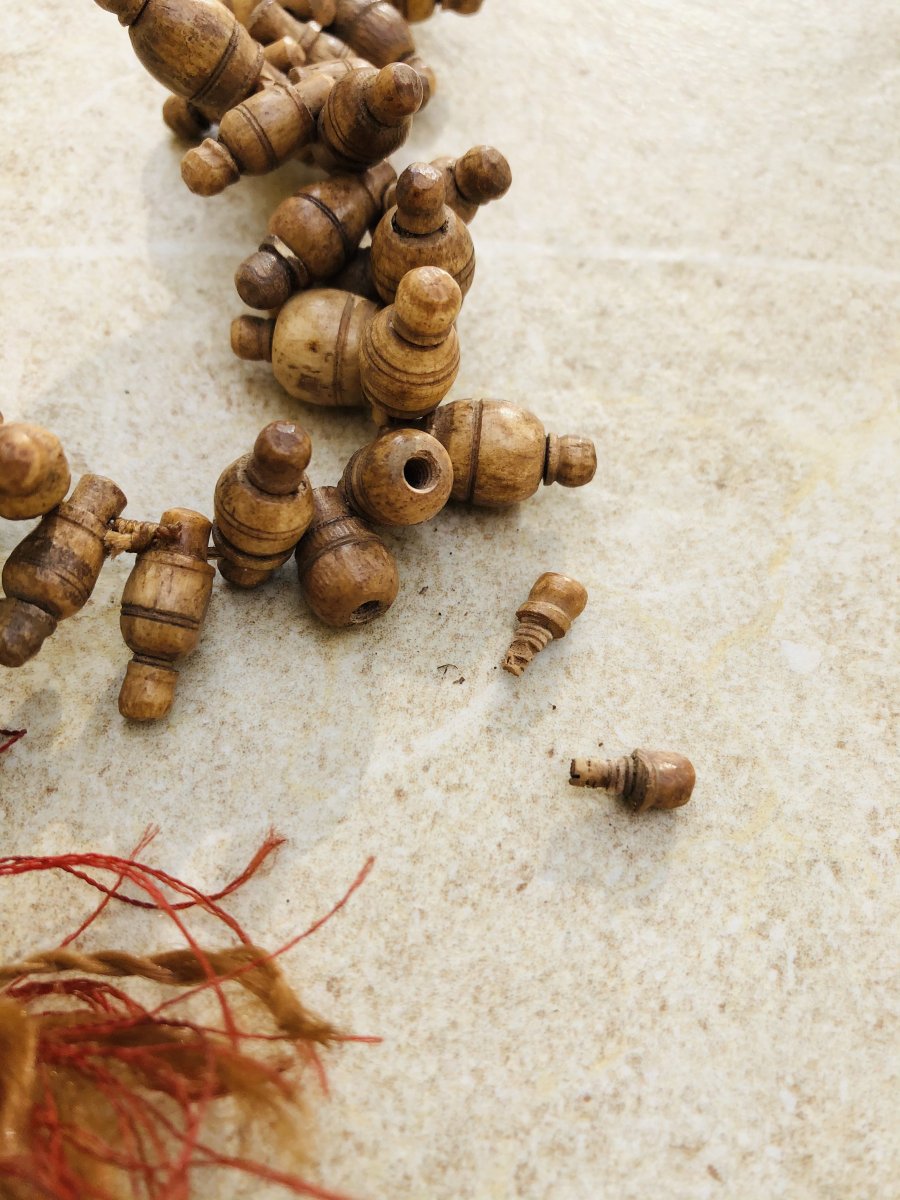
{"points": [[698, 266]]}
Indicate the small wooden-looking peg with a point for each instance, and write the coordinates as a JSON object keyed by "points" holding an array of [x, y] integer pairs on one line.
{"points": [[646, 779], [409, 356], [257, 136], [263, 505], [501, 453], [34, 473], [51, 573], [553, 604], [313, 345], [312, 235], [164, 605], [481, 175], [347, 574], [367, 116], [195, 48], [403, 477], [421, 231]]}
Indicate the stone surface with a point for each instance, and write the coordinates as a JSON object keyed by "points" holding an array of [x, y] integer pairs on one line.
{"points": [[697, 265]]}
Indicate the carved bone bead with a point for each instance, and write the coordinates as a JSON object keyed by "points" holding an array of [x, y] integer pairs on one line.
{"points": [[501, 453], [263, 505], [51, 574], [195, 48], [34, 473], [410, 352], [347, 574], [312, 235], [313, 345], [420, 231], [403, 477], [367, 116], [645, 779], [164, 605]]}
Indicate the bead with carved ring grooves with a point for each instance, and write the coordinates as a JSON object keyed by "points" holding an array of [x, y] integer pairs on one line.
{"points": [[645, 779]]}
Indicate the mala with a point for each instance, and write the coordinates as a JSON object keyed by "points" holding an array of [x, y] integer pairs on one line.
{"points": [[358, 282]]}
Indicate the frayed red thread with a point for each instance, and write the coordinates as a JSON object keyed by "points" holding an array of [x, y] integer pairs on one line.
{"points": [[118, 1055], [12, 736]]}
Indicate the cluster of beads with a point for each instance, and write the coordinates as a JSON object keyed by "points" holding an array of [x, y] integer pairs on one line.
{"points": [[361, 277]]}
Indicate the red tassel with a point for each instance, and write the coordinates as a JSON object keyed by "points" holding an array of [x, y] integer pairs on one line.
{"points": [[104, 1092]]}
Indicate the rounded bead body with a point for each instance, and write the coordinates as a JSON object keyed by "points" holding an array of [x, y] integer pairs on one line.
{"points": [[662, 779], [347, 574], [375, 30], [164, 604], [51, 574], [195, 48], [410, 352], [316, 347], [313, 345], [367, 116], [263, 505], [421, 231], [312, 235], [497, 449], [501, 453], [403, 477], [34, 473]]}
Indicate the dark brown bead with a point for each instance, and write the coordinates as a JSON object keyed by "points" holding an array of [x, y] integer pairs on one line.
{"points": [[263, 505], [403, 477], [347, 574], [421, 231]]}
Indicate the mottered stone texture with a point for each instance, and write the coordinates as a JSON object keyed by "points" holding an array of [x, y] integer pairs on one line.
{"points": [[697, 265]]}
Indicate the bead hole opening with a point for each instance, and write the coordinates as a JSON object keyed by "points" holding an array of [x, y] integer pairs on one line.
{"points": [[367, 612], [421, 473]]}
